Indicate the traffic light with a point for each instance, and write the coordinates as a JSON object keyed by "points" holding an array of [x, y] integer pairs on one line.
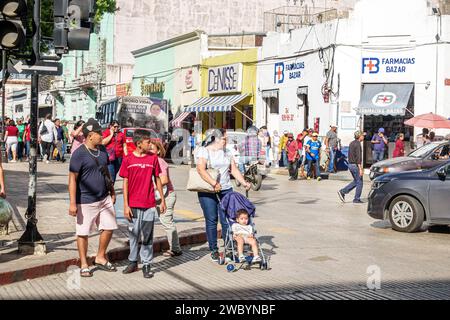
{"points": [[13, 24], [74, 22]]}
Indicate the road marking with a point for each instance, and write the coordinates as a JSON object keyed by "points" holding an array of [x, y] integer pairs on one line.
{"points": [[191, 215]]}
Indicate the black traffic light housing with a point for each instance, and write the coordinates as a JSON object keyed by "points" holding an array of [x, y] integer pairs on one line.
{"points": [[13, 16], [74, 22]]}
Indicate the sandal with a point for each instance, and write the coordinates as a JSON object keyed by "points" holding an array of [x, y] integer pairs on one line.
{"points": [[170, 253], [86, 273], [106, 267]]}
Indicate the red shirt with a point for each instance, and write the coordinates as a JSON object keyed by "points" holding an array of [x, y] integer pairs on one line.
{"points": [[399, 150], [116, 142], [300, 141], [140, 172], [28, 133], [12, 131], [292, 150]]}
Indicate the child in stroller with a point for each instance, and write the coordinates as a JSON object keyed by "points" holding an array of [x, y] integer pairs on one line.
{"points": [[243, 234], [241, 231]]}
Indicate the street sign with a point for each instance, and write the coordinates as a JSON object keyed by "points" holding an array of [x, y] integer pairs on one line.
{"points": [[41, 67]]}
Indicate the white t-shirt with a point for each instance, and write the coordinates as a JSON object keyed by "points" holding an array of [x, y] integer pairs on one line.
{"points": [[239, 229], [220, 160], [305, 142], [51, 134]]}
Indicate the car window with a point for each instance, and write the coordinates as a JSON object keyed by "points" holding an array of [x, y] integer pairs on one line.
{"points": [[441, 153], [423, 151], [130, 133]]}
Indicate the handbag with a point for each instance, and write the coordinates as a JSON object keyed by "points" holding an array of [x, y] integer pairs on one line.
{"points": [[196, 182]]}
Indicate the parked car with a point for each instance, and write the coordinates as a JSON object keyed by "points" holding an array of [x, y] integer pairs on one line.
{"points": [[408, 199], [129, 132], [425, 157]]}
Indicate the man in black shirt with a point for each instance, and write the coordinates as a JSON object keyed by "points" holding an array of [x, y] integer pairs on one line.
{"points": [[356, 169]]}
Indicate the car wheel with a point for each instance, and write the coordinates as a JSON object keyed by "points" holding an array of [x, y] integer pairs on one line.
{"points": [[406, 214]]}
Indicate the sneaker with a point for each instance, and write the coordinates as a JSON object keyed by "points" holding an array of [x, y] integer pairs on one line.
{"points": [[47, 162], [148, 273], [309, 178], [131, 267], [242, 258], [357, 201], [256, 259], [215, 256], [341, 195], [319, 179], [13, 161]]}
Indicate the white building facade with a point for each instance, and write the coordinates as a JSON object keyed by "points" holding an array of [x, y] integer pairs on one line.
{"points": [[377, 68]]}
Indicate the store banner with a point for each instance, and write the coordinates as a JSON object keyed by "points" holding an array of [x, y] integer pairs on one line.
{"points": [[225, 79], [384, 98]]}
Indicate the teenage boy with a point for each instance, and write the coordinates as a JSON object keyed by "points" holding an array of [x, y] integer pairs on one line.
{"points": [[313, 155], [138, 171], [91, 197]]}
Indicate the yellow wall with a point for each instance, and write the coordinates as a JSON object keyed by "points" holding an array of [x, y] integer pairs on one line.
{"points": [[249, 59]]}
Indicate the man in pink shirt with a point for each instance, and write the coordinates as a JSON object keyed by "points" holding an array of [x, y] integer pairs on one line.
{"points": [[138, 171]]}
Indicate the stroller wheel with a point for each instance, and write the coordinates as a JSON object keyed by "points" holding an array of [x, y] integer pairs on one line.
{"points": [[263, 265], [230, 268]]}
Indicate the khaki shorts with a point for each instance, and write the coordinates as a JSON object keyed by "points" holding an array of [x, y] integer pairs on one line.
{"points": [[96, 216]]}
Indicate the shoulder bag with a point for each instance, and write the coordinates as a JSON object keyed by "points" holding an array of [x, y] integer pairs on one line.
{"points": [[196, 182]]}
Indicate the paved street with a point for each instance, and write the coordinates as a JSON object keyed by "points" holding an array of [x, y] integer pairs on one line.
{"points": [[319, 248]]}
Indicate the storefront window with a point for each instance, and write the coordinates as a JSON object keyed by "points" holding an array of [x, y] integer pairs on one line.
{"points": [[273, 105], [246, 123]]}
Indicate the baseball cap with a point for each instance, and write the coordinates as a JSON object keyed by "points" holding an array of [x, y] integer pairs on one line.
{"points": [[381, 130], [359, 134], [315, 134], [91, 126], [285, 132]]}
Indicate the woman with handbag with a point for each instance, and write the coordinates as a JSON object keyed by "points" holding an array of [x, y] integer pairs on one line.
{"points": [[166, 219], [214, 165]]}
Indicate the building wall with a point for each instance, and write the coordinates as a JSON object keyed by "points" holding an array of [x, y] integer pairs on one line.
{"points": [[408, 30], [249, 60]]}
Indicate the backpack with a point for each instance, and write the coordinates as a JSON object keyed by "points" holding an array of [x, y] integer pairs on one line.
{"points": [[44, 129]]}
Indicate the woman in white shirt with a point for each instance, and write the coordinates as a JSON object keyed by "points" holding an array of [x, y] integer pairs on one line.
{"points": [[221, 159]]}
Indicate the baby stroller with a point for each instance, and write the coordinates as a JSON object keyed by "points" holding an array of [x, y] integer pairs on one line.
{"points": [[231, 204]]}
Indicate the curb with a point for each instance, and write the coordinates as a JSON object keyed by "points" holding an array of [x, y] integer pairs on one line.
{"points": [[189, 237], [333, 177]]}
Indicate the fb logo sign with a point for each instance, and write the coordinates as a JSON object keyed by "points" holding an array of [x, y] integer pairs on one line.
{"points": [[373, 64], [384, 99], [279, 72]]}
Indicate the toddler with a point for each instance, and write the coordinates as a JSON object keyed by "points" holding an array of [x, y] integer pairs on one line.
{"points": [[243, 234]]}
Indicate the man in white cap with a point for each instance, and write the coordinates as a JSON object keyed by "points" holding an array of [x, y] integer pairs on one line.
{"points": [[331, 144]]}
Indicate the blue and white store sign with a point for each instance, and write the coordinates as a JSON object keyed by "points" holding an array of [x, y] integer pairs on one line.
{"points": [[225, 79], [377, 65], [288, 71]]}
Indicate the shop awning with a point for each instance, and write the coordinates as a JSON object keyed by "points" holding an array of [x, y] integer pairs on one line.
{"points": [[385, 99], [215, 104], [266, 94], [176, 123]]}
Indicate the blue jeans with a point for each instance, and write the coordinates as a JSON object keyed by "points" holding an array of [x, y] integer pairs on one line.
{"points": [[114, 168], [356, 183], [332, 159], [64, 148], [377, 155], [27, 148], [284, 159], [316, 166], [212, 212]]}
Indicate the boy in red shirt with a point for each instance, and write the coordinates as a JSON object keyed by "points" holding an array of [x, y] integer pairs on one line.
{"points": [[138, 171]]}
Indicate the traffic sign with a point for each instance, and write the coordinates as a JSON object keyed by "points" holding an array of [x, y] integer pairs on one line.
{"points": [[41, 67]]}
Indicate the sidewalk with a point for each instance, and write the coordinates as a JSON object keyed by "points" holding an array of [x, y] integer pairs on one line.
{"points": [[58, 228]]}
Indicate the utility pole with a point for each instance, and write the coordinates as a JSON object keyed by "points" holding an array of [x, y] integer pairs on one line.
{"points": [[3, 148], [31, 241]]}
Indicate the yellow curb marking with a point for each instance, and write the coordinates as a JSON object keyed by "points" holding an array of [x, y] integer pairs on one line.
{"points": [[191, 215]]}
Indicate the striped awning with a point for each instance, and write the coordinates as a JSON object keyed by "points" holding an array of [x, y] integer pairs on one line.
{"points": [[216, 104], [176, 123]]}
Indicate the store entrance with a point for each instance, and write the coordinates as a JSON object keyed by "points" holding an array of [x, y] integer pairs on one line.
{"points": [[392, 125]]}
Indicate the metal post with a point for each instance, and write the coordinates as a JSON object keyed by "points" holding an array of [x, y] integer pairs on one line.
{"points": [[31, 241], [4, 66]]}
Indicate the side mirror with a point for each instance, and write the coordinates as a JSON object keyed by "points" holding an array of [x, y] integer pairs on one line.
{"points": [[442, 173]]}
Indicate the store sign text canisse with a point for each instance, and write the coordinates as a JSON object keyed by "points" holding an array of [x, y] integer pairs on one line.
{"points": [[225, 79]]}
